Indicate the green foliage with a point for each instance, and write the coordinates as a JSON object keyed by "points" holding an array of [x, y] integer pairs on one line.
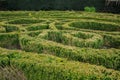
{"points": [[96, 26], [2, 29], [44, 67], [112, 40], [9, 40], [90, 9], [99, 57], [37, 27], [34, 34], [11, 28], [81, 38], [68, 39], [25, 21]]}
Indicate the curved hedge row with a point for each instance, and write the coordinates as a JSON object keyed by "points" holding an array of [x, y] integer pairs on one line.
{"points": [[44, 67], [80, 37], [10, 28], [25, 21], [109, 58], [96, 26], [73, 38]]}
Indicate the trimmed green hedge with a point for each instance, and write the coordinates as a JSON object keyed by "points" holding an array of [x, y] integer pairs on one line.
{"points": [[8, 40], [25, 21], [74, 38], [96, 26], [109, 58], [34, 33], [112, 40], [47, 67], [37, 27], [94, 43], [10, 28]]}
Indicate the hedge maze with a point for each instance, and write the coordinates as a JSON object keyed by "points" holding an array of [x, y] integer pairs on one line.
{"points": [[60, 45]]}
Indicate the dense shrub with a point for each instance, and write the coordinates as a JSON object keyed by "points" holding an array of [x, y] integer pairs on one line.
{"points": [[112, 40], [25, 21], [90, 9], [10, 28], [46, 67], [95, 41], [9, 40], [86, 41], [37, 27], [108, 58], [96, 26]]}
